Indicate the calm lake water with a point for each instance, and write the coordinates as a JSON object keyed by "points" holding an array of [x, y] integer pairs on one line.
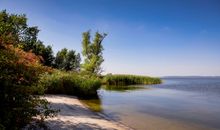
{"points": [[177, 104]]}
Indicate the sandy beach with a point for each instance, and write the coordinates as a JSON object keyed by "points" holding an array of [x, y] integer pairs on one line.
{"points": [[74, 115]]}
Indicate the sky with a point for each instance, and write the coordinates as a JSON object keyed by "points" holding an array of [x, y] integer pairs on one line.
{"points": [[145, 37]]}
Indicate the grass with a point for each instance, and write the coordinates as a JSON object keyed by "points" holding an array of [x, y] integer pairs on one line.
{"points": [[86, 86], [123, 80], [61, 82], [121, 88]]}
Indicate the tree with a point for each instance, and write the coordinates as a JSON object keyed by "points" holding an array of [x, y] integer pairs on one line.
{"points": [[12, 27], [14, 30], [72, 61], [67, 60], [45, 52], [48, 56], [19, 72], [92, 52], [59, 59]]}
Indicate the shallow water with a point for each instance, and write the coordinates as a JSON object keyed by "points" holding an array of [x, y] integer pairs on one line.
{"points": [[177, 104]]}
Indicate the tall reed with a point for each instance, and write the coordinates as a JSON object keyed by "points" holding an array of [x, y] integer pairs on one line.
{"points": [[120, 80], [60, 82]]}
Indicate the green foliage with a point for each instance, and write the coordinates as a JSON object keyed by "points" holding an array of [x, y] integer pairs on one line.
{"points": [[121, 80], [12, 27], [92, 52], [47, 55], [67, 60], [29, 39], [121, 88], [19, 70], [36, 46], [40, 49], [71, 83], [14, 30], [60, 59]]}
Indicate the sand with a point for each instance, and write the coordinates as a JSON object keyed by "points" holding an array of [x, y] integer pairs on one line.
{"points": [[74, 115]]}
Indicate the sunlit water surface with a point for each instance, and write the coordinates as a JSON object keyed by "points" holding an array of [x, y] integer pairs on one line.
{"points": [[177, 104]]}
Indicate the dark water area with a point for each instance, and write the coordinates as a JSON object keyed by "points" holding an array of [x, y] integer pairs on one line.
{"points": [[191, 103]]}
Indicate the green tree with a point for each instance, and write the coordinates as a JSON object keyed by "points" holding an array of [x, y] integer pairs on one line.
{"points": [[29, 39], [19, 72], [60, 58], [72, 61], [67, 60], [92, 52], [45, 52], [14, 29], [48, 56]]}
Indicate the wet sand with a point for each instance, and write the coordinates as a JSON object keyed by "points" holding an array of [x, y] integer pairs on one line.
{"points": [[74, 115]]}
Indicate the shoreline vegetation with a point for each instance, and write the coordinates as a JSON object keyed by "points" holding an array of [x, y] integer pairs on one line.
{"points": [[70, 83], [123, 80], [29, 69], [86, 86]]}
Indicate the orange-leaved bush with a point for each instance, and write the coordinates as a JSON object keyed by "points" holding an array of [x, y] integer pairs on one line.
{"points": [[19, 71]]}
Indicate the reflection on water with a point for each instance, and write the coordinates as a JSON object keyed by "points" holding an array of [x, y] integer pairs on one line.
{"points": [[93, 104], [177, 104]]}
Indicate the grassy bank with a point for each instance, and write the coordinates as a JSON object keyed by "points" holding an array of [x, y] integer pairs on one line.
{"points": [[61, 82], [86, 86], [122, 80]]}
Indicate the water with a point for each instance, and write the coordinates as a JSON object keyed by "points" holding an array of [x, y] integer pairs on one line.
{"points": [[177, 104]]}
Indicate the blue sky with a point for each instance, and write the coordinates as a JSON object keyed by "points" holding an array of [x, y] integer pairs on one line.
{"points": [[149, 37]]}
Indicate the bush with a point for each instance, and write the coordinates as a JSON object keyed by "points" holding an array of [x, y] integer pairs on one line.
{"points": [[121, 80], [19, 70], [60, 82]]}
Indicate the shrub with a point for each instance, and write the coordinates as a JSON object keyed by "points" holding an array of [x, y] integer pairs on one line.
{"points": [[60, 82], [18, 71], [121, 80]]}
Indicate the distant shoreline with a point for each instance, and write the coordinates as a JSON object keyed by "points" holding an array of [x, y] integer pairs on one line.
{"points": [[164, 77]]}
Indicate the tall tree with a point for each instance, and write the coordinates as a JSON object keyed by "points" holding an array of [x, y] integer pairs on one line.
{"points": [[60, 58], [12, 27], [92, 52], [72, 61], [14, 30], [19, 72], [48, 56], [67, 60]]}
